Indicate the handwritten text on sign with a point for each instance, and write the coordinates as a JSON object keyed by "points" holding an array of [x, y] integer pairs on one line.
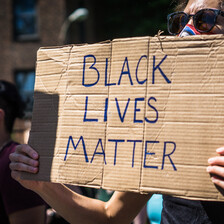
{"points": [[127, 74]]}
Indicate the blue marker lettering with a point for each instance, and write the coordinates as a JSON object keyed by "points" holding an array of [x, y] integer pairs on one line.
{"points": [[133, 154], [158, 67], [115, 149], [157, 114], [137, 109], [125, 72], [106, 109], [99, 153], [85, 114], [136, 72], [168, 155], [149, 153], [91, 67], [119, 111], [75, 146], [107, 84]]}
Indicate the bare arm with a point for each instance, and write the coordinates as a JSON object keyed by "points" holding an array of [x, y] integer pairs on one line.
{"points": [[35, 215], [75, 208]]}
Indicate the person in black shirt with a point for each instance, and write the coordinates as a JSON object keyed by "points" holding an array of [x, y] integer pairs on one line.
{"points": [[17, 204]]}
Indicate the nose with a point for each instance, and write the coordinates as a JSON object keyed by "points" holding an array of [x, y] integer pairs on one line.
{"points": [[190, 22], [189, 30]]}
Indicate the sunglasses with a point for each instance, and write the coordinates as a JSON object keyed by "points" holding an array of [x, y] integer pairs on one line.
{"points": [[204, 20]]}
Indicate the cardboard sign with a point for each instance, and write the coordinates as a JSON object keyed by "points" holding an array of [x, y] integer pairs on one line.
{"points": [[137, 114]]}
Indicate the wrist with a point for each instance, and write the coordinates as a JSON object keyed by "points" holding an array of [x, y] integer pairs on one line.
{"points": [[47, 189]]}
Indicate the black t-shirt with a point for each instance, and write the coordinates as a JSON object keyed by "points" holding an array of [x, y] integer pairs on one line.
{"points": [[181, 211]]}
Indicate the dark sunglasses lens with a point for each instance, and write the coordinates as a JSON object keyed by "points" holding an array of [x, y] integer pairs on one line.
{"points": [[204, 20], [176, 22]]}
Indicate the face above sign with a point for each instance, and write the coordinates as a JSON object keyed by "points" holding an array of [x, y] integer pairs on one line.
{"points": [[194, 6]]}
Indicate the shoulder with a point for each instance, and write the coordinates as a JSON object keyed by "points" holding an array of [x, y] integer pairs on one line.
{"points": [[4, 157], [10, 147]]}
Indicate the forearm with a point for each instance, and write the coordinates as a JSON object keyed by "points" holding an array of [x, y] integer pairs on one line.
{"points": [[123, 207], [73, 207]]}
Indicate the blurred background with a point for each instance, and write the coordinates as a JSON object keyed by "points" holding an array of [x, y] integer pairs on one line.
{"points": [[26, 25]]}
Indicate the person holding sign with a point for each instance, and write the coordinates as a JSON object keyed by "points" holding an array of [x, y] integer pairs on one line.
{"points": [[194, 17], [17, 204]]}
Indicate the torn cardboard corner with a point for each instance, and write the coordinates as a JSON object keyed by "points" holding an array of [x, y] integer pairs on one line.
{"points": [[136, 114]]}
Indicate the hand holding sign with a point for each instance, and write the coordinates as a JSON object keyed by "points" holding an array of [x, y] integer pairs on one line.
{"points": [[216, 169], [25, 159]]}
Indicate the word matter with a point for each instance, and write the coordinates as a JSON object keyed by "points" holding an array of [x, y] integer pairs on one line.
{"points": [[119, 144]]}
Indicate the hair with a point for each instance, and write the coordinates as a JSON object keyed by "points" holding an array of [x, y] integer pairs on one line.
{"points": [[181, 4], [9, 114], [11, 103]]}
